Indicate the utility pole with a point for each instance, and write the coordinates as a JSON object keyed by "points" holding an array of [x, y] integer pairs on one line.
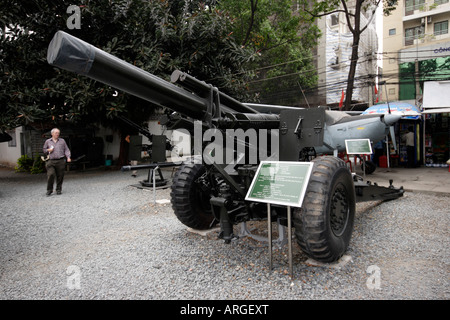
{"points": [[416, 66], [416, 76]]}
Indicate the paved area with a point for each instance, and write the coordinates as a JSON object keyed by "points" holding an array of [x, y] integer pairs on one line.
{"points": [[422, 179], [102, 239]]}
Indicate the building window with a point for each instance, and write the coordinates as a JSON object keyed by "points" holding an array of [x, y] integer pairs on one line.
{"points": [[334, 20], [441, 28], [413, 33], [411, 5], [391, 91], [440, 1], [12, 133], [392, 32]]}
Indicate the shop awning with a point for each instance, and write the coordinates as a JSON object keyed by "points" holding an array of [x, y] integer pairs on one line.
{"points": [[437, 110], [406, 110]]}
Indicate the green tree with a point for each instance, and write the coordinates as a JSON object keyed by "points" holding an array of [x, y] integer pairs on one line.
{"points": [[282, 39], [158, 36]]}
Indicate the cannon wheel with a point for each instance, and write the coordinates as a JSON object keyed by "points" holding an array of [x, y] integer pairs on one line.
{"points": [[324, 223], [189, 202]]}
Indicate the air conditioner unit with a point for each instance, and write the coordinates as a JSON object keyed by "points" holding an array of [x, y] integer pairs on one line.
{"points": [[334, 63], [429, 19]]}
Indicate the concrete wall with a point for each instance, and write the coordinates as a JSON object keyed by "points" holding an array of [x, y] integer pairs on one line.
{"points": [[30, 142], [394, 46], [8, 153]]}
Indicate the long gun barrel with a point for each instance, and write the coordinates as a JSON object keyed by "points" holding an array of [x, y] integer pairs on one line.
{"points": [[149, 166], [193, 100], [72, 54]]}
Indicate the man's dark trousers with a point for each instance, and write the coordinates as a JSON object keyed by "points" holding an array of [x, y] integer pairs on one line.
{"points": [[410, 154], [55, 168]]}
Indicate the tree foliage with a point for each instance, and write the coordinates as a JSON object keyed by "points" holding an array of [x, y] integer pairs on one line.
{"points": [[158, 36], [224, 42], [282, 38]]}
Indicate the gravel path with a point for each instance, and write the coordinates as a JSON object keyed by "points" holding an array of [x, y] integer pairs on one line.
{"points": [[103, 239]]}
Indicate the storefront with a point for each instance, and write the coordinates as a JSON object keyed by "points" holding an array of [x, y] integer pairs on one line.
{"points": [[430, 63], [411, 120], [437, 135], [436, 113], [401, 130]]}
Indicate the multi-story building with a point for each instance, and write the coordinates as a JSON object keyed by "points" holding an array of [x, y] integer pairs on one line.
{"points": [[334, 56], [416, 50], [416, 47]]}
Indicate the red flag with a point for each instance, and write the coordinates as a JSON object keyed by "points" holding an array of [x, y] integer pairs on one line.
{"points": [[376, 94], [341, 103]]}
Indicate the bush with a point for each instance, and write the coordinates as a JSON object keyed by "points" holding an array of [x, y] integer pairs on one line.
{"points": [[38, 165], [24, 164], [27, 164]]}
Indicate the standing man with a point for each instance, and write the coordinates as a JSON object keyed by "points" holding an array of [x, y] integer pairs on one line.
{"points": [[58, 151], [408, 138]]}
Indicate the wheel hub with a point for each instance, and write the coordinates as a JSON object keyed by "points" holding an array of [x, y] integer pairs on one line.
{"points": [[339, 210]]}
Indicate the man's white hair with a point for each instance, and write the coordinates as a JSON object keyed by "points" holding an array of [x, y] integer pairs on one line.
{"points": [[53, 130]]}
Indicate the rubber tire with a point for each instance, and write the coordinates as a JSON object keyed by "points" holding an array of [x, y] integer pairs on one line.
{"points": [[189, 203], [370, 167], [329, 179]]}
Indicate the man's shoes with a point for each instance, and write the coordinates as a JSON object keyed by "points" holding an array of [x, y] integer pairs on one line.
{"points": [[58, 192]]}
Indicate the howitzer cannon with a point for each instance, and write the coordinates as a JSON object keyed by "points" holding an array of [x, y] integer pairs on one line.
{"points": [[156, 150], [211, 188]]}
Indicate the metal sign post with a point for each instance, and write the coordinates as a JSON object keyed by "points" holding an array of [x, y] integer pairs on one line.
{"points": [[359, 147], [269, 228], [291, 269], [154, 184], [281, 183]]}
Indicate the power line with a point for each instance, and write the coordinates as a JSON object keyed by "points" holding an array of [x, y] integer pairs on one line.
{"points": [[310, 70], [361, 82], [268, 67], [316, 69]]}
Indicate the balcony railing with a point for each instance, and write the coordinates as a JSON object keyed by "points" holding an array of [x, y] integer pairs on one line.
{"points": [[441, 32], [409, 10], [426, 6], [417, 39], [409, 41]]}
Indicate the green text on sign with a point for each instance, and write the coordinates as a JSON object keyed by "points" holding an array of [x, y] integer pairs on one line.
{"points": [[280, 182]]}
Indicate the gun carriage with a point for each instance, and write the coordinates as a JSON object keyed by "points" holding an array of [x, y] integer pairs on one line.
{"points": [[211, 189]]}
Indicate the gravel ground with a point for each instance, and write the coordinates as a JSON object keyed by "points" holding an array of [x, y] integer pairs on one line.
{"points": [[104, 239]]}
